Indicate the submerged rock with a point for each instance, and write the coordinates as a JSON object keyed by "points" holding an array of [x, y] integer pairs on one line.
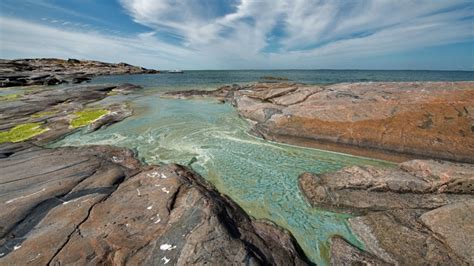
{"points": [[418, 213], [99, 205]]}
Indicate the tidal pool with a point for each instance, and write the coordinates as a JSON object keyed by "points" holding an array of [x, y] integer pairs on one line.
{"points": [[260, 176]]}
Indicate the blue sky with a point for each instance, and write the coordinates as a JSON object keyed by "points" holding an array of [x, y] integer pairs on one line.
{"points": [[244, 34]]}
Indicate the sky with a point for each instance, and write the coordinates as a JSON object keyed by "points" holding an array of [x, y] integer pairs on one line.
{"points": [[244, 34]]}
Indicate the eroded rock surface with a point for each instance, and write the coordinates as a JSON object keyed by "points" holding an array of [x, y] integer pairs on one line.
{"points": [[418, 213], [52, 71], [427, 119], [99, 205]]}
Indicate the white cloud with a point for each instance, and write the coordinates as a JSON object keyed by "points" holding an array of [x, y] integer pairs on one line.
{"points": [[20, 38], [312, 34], [305, 22]]}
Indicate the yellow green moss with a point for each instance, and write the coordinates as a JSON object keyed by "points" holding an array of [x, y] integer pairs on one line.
{"points": [[9, 97], [87, 116], [44, 113], [21, 132]]}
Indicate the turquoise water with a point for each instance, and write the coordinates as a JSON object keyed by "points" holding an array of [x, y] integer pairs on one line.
{"points": [[260, 176]]}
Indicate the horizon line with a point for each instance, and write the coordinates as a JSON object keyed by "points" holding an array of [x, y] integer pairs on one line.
{"points": [[253, 69], [321, 69]]}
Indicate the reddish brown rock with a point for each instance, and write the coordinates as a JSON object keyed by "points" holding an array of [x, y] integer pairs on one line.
{"points": [[362, 189], [419, 213], [427, 119], [459, 216], [99, 205]]}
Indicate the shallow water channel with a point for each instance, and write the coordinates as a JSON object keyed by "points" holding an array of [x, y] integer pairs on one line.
{"points": [[260, 176]]}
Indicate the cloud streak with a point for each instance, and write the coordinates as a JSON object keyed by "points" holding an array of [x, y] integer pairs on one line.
{"points": [[232, 34]]}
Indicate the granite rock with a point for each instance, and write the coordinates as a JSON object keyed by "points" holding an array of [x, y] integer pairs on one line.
{"points": [[99, 205], [418, 213]]}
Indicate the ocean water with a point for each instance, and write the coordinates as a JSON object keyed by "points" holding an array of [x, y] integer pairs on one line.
{"points": [[212, 79], [210, 137]]}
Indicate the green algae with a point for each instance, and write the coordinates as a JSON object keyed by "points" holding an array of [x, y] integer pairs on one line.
{"points": [[43, 114], [21, 132], [87, 116], [9, 97]]}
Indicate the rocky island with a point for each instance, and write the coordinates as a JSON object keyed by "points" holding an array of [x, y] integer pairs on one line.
{"points": [[53, 71], [102, 205]]}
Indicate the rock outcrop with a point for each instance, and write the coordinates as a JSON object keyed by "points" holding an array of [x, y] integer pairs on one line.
{"points": [[419, 213], [420, 119], [99, 205], [52, 71], [53, 109]]}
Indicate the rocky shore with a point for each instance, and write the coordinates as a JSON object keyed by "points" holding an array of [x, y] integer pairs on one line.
{"points": [[99, 205], [52, 71], [417, 214], [411, 119]]}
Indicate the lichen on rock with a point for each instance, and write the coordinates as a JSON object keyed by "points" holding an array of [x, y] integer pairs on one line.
{"points": [[87, 116], [22, 132], [9, 97]]}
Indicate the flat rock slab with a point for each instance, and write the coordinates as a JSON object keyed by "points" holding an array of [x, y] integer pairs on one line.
{"points": [[440, 221], [418, 213], [417, 184], [99, 205]]}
